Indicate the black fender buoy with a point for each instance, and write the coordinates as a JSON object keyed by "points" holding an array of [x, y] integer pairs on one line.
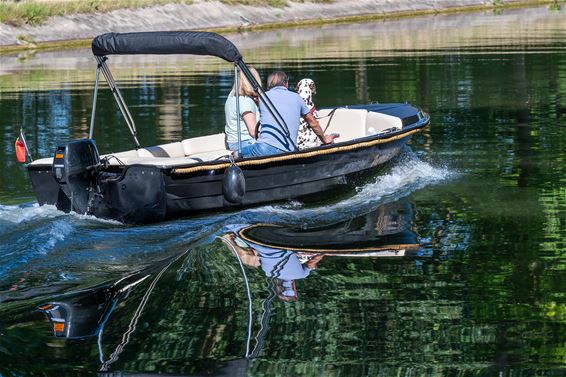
{"points": [[234, 184]]}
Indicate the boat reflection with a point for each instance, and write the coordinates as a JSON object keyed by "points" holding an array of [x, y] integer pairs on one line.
{"points": [[284, 254], [287, 253], [83, 313]]}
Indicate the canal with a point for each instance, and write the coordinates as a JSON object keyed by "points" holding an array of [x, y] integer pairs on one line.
{"points": [[449, 261]]}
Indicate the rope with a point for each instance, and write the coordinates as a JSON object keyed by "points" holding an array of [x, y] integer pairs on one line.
{"points": [[297, 155], [330, 115]]}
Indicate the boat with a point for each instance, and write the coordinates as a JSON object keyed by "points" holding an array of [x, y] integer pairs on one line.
{"points": [[156, 183]]}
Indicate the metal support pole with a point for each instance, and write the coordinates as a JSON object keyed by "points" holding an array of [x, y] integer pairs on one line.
{"points": [[119, 99], [91, 132], [23, 139], [237, 94], [265, 99]]}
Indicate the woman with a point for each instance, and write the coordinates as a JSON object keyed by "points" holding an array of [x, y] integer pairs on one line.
{"points": [[249, 113]]}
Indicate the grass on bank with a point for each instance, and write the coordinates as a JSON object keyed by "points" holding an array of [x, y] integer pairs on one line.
{"points": [[35, 12], [272, 3]]}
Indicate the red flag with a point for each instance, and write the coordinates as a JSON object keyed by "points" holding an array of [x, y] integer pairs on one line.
{"points": [[20, 150]]}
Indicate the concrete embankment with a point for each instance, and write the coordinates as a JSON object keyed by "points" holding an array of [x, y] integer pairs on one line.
{"points": [[210, 15]]}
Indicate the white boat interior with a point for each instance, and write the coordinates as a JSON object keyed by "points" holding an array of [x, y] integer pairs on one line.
{"points": [[351, 124]]}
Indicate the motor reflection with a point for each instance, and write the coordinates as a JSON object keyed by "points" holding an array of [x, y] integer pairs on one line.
{"points": [[84, 313]]}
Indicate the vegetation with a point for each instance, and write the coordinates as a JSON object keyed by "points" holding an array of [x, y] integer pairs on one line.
{"points": [[271, 3], [34, 12]]}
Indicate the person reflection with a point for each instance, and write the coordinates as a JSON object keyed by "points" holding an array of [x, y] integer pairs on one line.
{"points": [[283, 266], [289, 253]]}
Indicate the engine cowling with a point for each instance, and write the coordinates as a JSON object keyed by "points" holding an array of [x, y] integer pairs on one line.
{"points": [[73, 169]]}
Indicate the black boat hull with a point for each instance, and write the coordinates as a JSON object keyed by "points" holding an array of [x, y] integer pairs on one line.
{"points": [[144, 194], [277, 180], [151, 192]]}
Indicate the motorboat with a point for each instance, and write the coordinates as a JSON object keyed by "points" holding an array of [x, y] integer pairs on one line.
{"points": [[177, 179]]}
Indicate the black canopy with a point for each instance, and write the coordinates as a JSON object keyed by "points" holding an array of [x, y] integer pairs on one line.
{"points": [[166, 42]]}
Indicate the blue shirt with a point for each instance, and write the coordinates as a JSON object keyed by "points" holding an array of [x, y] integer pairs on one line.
{"points": [[291, 107]]}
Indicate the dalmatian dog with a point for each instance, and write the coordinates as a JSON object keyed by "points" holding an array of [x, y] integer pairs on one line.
{"points": [[306, 137]]}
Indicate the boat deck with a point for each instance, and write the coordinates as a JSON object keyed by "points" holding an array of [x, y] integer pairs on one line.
{"points": [[351, 124]]}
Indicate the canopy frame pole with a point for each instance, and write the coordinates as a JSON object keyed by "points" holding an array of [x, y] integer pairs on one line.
{"points": [[263, 97], [119, 99], [94, 100], [238, 122], [23, 139]]}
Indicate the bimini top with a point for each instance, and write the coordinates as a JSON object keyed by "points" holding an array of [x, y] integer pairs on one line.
{"points": [[166, 42]]}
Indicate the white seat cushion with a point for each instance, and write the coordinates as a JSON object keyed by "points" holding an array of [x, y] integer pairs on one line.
{"points": [[163, 150], [203, 144], [349, 123]]}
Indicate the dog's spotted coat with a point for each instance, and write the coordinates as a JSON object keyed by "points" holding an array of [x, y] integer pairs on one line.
{"points": [[306, 137]]}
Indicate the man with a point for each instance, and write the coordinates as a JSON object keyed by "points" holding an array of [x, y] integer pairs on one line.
{"points": [[291, 107]]}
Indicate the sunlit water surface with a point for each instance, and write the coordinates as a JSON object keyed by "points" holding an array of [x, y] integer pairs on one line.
{"points": [[448, 261]]}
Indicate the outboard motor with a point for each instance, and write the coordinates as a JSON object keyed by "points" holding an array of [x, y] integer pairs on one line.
{"points": [[73, 165]]}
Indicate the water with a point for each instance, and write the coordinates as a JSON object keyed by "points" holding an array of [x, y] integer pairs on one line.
{"points": [[449, 261]]}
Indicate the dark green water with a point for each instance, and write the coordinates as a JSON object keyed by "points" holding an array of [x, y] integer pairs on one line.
{"points": [[459, 268]]}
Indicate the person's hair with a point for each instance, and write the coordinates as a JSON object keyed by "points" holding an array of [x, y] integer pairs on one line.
{"points": [[277, 78], [244, 86]]}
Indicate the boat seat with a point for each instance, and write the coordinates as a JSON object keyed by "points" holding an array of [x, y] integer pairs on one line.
{"points": [[203, 144], [377, 123], [198, 149], [42, 161], [357, 123], [349, 123], [155, 161], [163, 150]]}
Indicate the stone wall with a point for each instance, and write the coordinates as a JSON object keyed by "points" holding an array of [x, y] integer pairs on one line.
{"points": [[215, 14]]}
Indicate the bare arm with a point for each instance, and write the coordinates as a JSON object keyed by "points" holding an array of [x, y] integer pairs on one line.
{"points": [[314, 261], [313, 123], [250, 120]]}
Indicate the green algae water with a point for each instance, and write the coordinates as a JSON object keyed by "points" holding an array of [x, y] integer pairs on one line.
{"points": [[449, 261]]}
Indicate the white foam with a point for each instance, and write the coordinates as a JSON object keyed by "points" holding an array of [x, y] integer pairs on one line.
{"points": [[55, 234], [91, 218], [18, 214], [23, 213], [407, 175]]}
